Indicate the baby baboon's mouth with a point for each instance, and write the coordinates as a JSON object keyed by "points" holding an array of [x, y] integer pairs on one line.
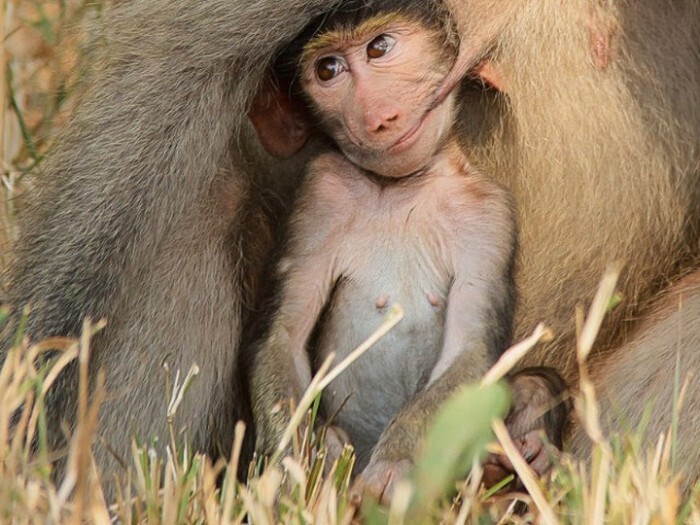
{"points": [[409, 138]]}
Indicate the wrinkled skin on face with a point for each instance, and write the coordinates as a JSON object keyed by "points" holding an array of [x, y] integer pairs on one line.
{"points": [[373, 94]]}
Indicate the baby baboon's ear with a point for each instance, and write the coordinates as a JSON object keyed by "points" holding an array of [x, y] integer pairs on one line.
{"points": [[280, 120]]}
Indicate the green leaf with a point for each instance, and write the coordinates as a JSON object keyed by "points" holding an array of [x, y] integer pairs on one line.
{"points": [[458, 436]]}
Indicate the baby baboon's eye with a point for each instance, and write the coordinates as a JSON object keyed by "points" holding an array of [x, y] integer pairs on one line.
{"points": [[327, 68], [380, 46]]}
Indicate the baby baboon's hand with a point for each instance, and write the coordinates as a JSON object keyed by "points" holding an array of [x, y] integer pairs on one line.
{"points": [[379, 480]]}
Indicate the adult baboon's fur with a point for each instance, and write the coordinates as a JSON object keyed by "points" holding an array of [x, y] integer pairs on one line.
{"points": [[147, 209]]}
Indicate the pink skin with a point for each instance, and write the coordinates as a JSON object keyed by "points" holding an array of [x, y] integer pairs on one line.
{"points": [[381, 120], [336, 234], [378, 481]]}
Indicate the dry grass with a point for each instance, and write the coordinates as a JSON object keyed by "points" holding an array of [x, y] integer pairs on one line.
{"points": [[624, 483], [48, 44]]}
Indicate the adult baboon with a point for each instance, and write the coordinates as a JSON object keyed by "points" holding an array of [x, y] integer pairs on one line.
{"points": [[146, 212]]}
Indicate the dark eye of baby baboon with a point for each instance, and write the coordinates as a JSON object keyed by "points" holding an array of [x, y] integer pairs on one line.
{"points": [[380, 46], [328, 68]]}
